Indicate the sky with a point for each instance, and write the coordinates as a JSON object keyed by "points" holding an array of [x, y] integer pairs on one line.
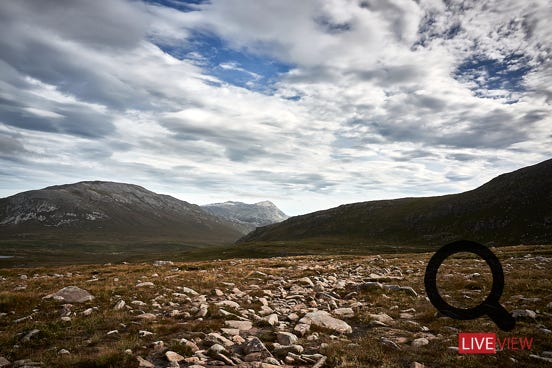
{"points": [[309, 104]]}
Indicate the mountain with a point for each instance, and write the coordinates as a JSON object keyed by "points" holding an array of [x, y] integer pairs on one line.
{"points": [[247, 216], [107, 211], [513, 208]]}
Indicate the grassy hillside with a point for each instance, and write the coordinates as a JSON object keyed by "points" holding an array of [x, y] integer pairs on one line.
{"points": [[514, 208]]}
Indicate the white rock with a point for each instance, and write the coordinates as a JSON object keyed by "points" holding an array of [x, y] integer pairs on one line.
{"points": [[420, 342], [344, 312], [286, 338], [143, 284], [4, 362], [163, 263], [142, 363], [147, 316], [203, 310], [523, 313], [293, 317], [71, 294], [265, 310], [325, 320], [301, 329], [306, 281], [272, 319], [229, 304], [217, 338], [381, 317], [30, 335], [173, 357], [217, 349], [120, 305], [230, 331], [240, 325], [187, 290], [255, 345]]}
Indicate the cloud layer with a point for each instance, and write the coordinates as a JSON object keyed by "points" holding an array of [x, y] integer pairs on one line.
{"points": [[310, 104]]}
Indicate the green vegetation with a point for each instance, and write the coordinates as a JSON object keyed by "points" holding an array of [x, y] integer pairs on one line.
{"points": [[514, 208], [33, 254]]}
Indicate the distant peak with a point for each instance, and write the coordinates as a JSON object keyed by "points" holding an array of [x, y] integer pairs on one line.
{"points": [[265, 204], [236, 203]]}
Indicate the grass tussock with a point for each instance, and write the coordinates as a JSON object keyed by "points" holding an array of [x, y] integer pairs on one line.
{"points": [[527, 286]]}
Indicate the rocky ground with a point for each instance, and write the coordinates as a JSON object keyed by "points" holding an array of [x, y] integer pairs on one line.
{"points": [[279, 312]]}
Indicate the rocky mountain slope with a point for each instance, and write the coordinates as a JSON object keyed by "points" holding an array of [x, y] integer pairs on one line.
{"points": [[514, 208], [107, 211], [247, 216]]}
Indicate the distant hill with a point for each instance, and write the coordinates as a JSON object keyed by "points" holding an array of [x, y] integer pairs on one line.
{"points": [[513, 208], [247, 216], [108, 212]]}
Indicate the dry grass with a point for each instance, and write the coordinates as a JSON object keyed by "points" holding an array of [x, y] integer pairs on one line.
{"points": [[528, 286]]}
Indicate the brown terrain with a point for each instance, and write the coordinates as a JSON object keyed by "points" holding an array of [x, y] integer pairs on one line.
{"points": [[307, 311]]}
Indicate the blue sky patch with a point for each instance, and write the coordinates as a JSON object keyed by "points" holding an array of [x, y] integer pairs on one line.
{"points": [[491, 74], [293, 98], [240, 68]]}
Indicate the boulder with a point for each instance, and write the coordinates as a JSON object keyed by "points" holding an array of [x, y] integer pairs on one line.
{"points": [[71, 294], [325, 320]]}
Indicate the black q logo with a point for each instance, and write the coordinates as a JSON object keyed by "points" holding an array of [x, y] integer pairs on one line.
{"points": [[490, 306]]}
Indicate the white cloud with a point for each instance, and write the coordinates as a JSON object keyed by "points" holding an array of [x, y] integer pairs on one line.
{"points": [[381, 110]]}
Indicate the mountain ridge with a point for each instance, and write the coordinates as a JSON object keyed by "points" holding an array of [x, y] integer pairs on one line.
{"points": [[512, 208], [108, 211]]}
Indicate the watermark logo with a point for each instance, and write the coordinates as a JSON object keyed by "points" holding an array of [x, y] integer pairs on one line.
{"points": [[488, 343], [477, 343], [490, 306]]}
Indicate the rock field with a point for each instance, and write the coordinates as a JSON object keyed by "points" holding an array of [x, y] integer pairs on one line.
{"points": [[278, 312]]}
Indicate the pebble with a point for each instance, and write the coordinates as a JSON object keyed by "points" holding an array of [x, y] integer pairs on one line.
{"points": [[143, 363], [523, 313], [420, 342], [173, 356], [228, 304], [240, 325], [286, 338], [344, 312], [143, 284], [120, 305], [31, 334]]}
